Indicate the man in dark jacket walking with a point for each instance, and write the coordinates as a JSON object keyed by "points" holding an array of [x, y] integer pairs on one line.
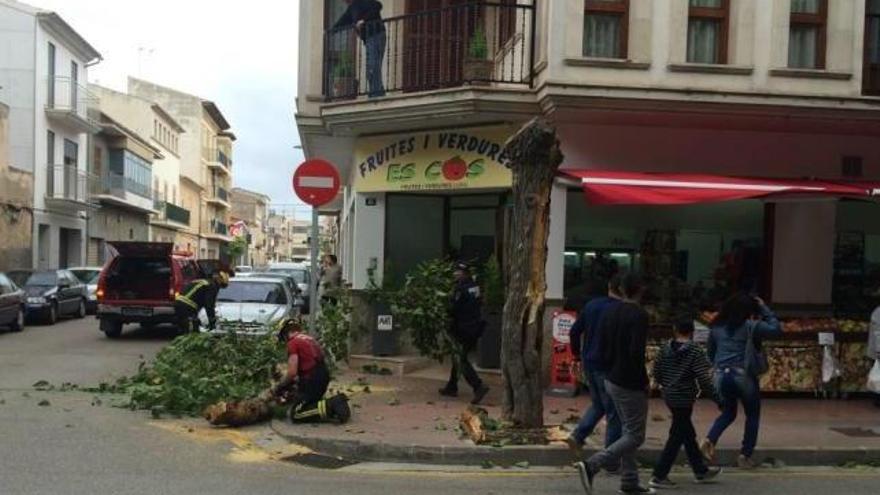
{"points": [[684, 373], [586, 329], [365, 16], [467, 327], [624, 334]]}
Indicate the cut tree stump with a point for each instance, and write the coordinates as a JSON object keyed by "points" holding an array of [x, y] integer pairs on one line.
{"points": [[533, 157], [242, 413]]}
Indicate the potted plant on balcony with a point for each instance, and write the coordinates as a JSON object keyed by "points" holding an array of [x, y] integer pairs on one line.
{"points": [[342, 77], [477, 67]]}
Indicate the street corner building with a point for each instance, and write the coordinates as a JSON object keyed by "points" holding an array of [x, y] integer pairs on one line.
{"points": [[710, 146]]}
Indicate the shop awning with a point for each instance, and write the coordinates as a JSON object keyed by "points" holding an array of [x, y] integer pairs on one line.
{"points": [[621, 188]]}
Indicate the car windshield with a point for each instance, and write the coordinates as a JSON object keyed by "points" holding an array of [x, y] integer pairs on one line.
{"points": [[300, 275], [253, 292], [19, 277], [43, 278], [85, 276]]}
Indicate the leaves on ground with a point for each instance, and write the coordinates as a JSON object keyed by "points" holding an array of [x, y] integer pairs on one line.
{"points": [[394, 402], [43, 386], [44, 403]]}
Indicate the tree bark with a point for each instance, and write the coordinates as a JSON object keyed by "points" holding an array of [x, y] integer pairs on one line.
{"points": [[533, 156]]}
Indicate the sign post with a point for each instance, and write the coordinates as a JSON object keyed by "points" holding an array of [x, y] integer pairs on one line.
{"points": [[316, 182]]}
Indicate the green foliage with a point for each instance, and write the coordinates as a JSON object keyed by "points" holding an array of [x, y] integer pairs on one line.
{"points": [[493, 285], [334, 326], [236, 248], [478, 47], [343, 67], [200, 369], [421, 307]]}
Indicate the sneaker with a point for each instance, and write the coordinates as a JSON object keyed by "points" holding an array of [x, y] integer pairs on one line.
{"points": [[479, 394], [708, 450], [636, 489], [574, 445], [662, 483], [709, 476], [745, 462], [446, 392], [586, 475]]}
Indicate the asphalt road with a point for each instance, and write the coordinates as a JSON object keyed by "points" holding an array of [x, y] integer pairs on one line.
{"points": [[79, 444]]}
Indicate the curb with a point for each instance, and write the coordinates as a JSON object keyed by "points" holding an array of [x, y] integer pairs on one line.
{"points": [[548, 456]]}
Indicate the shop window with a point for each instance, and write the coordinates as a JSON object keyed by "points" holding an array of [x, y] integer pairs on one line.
{"points": [[807, 33], [708, 31], [606, 28]]}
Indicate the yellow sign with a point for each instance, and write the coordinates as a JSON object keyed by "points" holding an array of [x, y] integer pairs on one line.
{"points": [[433, 161]]}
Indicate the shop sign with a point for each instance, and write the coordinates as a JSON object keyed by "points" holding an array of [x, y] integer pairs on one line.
{"points": [[433, 161], [826, 338], [385, 323], [563, 371]]}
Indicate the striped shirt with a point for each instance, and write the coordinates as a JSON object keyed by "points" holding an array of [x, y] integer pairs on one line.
{"points": [[683, 371]]}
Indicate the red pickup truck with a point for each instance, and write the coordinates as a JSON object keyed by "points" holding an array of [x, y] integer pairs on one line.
{"points": [[140, 283]]}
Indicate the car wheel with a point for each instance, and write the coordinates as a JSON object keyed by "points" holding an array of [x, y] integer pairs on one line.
{"points": [[52, 317], [81, 311], [18, 325], [112, 329]]}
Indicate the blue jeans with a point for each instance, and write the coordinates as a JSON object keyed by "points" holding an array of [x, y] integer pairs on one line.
{"points": [[602, 406], [736, 386], [375, 48]]}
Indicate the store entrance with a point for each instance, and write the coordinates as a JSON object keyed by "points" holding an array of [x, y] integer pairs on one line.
{"points": [[421, 227]]}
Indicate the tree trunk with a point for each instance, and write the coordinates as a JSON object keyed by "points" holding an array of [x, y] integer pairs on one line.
{"points": [[533, 157]]}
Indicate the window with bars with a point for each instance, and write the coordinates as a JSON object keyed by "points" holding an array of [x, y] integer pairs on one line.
{"points": [[606, 28], [807, 33], [708, 31]]}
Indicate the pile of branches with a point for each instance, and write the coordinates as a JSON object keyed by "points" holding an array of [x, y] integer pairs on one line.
{"points": [[198, 370]]}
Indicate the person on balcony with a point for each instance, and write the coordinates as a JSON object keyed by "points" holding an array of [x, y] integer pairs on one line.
{"points": [[365, 17]]}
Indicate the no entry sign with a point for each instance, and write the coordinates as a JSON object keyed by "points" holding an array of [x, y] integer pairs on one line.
{"points": [[316, 182]]}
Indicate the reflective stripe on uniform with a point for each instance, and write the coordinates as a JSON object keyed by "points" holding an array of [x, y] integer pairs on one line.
{"points": [[186, 298]]}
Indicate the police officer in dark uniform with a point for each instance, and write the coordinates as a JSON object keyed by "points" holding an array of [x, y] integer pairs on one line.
{"points": [[198, 294], [467, 327]]}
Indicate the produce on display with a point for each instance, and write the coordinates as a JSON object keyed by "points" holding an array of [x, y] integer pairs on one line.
{"points": [[855, 366], [794, 367]]}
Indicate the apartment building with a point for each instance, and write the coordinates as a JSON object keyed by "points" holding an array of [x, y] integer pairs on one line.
{"points": [[171, 220], [780, 99], [122, 166], [205, 152], [16, 199], [252, 208], [44, 80]]}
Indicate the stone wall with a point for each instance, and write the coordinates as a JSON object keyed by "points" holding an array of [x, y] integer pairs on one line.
{"points": [[16, 206]]}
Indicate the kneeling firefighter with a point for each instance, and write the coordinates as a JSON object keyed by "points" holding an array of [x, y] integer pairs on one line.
{"points": [[198, 294], [307, 379]]}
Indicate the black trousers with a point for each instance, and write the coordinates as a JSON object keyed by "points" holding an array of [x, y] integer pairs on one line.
{"points": [[681, 433], [309, 405], [187, 318], [461, 365]]}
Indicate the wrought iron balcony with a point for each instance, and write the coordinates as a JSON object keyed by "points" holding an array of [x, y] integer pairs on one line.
{"points": [[477, 43]]}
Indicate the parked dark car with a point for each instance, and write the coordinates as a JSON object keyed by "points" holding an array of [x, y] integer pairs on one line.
{"points": [[13, 305], [19, 277], [52, 294], [140, 283]]}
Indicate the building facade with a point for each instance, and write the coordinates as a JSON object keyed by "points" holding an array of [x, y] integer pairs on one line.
{"points": [[205, 152], [252, 208], [46, 82], [171, 222], [122, 165], [777, 91]]}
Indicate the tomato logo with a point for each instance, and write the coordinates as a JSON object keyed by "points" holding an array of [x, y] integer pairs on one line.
{"points": [[455, 169]]}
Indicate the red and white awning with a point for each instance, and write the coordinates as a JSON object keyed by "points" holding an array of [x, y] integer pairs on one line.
{"points": [[620, 188]]}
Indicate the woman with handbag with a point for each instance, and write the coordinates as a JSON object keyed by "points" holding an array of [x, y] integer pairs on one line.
{"points": [[736, 354]]}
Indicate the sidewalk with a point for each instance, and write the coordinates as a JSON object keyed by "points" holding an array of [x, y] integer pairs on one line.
{"points": [[403, 419]]}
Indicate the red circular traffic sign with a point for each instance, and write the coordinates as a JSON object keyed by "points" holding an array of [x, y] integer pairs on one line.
{"points": [[316, 182]]}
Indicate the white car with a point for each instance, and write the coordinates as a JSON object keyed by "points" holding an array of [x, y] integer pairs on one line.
{"points": [[89, 275], [253, 305]]}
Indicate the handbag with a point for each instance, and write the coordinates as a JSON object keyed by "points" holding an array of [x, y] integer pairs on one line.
{"points": [[756, 361]]}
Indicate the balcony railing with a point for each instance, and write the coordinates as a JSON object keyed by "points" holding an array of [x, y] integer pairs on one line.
{"points": [[221, 194], [219, 228], [475, 43], [171, 212], [66, 95], [224, 160], [66, 182], [117, 185]]}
